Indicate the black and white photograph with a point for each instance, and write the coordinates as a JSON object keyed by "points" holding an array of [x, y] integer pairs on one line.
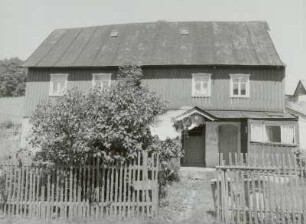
{"points": [[153, 111]]}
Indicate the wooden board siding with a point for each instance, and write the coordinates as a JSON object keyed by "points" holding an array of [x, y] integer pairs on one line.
{"points": [[270, 148], [174, 85], [266, 88], [39, 80]]}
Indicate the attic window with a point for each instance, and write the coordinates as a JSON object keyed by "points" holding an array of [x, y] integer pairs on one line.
{"points": [[184, 32], [114, 33]]}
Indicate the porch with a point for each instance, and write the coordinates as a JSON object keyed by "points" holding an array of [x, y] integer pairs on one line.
{"points": [[205, 133]]}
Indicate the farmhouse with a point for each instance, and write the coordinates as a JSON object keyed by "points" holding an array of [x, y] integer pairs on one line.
{"points": [[224, 81]]}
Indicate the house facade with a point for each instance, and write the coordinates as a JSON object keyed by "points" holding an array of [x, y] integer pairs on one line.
{"points": [[296, 104], [224, 81]]}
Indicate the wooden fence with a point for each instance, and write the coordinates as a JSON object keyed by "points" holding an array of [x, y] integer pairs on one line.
{"points": [[88, 192], [261, 188]]}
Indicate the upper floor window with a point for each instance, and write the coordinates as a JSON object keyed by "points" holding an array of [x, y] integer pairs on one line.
{"points": [[58, 84], [101, 80], [284, 134], [201, 84], [240, 85]]}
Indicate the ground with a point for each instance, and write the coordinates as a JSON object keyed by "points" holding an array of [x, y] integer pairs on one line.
{"points": [[190, 199], [11, 112], [11, 109]]}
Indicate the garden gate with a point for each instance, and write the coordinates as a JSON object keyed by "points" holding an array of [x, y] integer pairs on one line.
{"points": [[261, 188]]}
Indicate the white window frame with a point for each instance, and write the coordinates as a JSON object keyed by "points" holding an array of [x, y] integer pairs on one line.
{"points": [[107, 76], [264, 137], [247, 94], [51, 86], [194, 76]]}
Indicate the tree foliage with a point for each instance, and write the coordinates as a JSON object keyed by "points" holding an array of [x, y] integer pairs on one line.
{"points": [[112, 124], [12, 78]]}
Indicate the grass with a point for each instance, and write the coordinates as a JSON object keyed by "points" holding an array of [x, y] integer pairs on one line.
{"points": [[189, 201], [11, 109], [9, 144]]}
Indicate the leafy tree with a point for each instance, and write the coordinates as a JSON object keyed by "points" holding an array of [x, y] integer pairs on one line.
{"points": [[112, 124], [12, 78]]}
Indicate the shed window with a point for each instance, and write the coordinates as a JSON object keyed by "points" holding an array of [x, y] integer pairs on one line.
{"points": [[58, 84], [101, 80], [273, 133], [201, 85], [240, 85], [284, 134]]}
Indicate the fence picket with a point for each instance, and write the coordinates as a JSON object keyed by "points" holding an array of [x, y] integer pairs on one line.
{"points": [[272, 189], [91, 191]]}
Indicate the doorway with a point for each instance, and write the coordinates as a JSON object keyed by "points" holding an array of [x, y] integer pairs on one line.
{"points": [[194, 145], [228, 141]]}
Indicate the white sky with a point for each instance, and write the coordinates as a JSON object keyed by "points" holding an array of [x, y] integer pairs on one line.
{"points": [[24, 24]]}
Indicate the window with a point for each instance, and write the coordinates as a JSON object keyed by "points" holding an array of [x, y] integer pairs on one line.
{"points": [[273, 134], [58, 84], [201, 84], [102, 80], [284, 134], [240, 85]]}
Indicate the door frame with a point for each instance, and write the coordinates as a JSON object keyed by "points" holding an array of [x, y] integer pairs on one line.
{"points": [[183, 161], [238, 125]]}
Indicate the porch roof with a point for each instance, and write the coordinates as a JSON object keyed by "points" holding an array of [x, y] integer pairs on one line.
{"points": [[223, 114], [165, 128]]}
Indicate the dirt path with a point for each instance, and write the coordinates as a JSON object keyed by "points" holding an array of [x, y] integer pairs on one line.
{"points": [[189, 200]]}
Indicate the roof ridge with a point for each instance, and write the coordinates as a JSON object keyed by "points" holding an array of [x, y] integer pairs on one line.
{"points": [[163, 21]]}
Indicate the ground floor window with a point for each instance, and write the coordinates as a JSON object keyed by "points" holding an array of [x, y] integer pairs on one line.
{"points": [[284, 134]]}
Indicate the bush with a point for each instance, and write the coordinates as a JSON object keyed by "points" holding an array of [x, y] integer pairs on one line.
{"points": [[170, 152], [112, 124]]}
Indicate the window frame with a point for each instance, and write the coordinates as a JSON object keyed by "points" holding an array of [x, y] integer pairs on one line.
{"points": [[109, 79], [265, 141], [51, 85], [193, 83], [240, 75]]}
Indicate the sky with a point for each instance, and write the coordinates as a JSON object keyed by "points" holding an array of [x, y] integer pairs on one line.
{"points": [[24, 24]]}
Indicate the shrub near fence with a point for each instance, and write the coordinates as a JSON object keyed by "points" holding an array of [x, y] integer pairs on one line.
{"points": [[88, 192], [261, 188]]}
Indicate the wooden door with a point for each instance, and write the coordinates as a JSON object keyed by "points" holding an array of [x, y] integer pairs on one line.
{"points": [[194, 146], [228, 140]]}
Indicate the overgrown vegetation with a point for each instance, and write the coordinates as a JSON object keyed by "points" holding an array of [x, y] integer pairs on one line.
{"points": [[12, 78], [112, 124]]}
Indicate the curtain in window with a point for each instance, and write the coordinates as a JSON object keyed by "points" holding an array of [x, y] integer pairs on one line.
{"points": [[102, 80], [201, 84], [287, 134], [58, 84], [273, 133], [257, 133]]}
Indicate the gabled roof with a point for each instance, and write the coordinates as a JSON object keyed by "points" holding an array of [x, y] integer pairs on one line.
{"points": [[300, 88], [297, 108], [158, 43], [193, 111]]}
